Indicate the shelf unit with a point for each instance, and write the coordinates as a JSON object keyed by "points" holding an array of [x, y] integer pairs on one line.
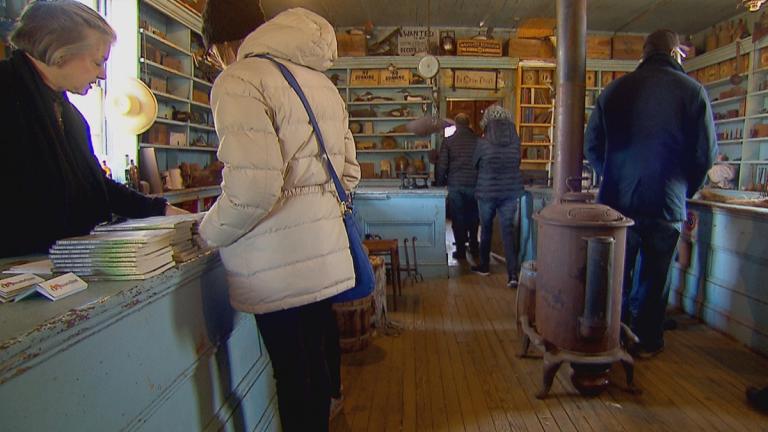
{"points": [[740, 111], [534, 112], [377, 118], [171, 62]]}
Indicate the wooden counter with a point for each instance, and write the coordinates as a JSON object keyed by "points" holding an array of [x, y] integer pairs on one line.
{"points": [[168, 353], [396, 213]]}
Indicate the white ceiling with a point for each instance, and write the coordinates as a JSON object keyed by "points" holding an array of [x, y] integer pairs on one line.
{"points": [[635, 16]]}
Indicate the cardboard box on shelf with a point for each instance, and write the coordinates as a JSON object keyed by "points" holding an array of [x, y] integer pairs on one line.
{"points": [[598, 47], [172, 63], [351, 45], [627, 47], [200, 96], [158, 134], [178, 139], [530, 48], [397, 77], [536, 28], [158, 84]]}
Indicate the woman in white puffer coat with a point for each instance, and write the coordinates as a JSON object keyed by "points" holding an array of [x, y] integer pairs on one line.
{"points": [[278, 221]]}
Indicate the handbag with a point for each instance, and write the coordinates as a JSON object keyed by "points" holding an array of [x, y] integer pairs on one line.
{"points": [[365, 280]]}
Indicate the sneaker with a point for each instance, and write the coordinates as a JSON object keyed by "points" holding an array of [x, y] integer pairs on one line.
{"points": [[459, 255], [641, 352], [481, 270], [512, 283]]}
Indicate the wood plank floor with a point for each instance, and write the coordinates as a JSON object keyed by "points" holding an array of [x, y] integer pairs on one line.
{"points": [[453, 367]]}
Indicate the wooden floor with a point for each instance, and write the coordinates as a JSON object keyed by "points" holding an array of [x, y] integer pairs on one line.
{"points": [[453, 367]]}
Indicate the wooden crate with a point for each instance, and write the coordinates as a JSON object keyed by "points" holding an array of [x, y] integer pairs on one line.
{"points": [[351, 45], [530, 48], [401, 77], [478, 47], [591, 80], [364, 77], [200, 96], [158, 84], [172, 63], [605, 78], [536, 28], [598, 47], [627, 47]]}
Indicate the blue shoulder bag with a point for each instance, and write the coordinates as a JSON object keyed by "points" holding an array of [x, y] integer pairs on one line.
{"points": [[365, 281]]}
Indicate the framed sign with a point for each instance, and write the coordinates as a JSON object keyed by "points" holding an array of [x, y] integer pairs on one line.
{"points": [[413, 40], [476, 79]]}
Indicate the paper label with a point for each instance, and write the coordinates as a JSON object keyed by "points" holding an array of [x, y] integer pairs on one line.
{"points": [[62, 286], [13, 284]]}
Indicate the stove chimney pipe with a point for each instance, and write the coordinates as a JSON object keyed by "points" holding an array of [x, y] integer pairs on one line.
{"points": [[569, 107]]}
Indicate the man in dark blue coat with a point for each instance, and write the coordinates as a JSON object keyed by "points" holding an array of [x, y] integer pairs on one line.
{"points": [[652, 139], [456, 169]]}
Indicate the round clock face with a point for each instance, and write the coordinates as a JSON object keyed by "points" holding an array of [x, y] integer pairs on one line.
{"points": [[428, 66]]}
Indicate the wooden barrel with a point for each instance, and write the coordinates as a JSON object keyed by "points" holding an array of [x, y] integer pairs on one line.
{"points": [[354, 321]]}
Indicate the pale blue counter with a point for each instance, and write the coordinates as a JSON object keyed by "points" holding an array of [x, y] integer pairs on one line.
{"points": [[166, 354], [396, 213]]}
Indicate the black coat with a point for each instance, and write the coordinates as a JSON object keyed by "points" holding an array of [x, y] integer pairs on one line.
{"points": [[651, 137], [53, 184], [454, 165]]}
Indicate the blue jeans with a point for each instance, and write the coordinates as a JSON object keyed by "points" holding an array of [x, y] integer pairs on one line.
{"points": [[507, 208], [464, 218], [650, 248]]}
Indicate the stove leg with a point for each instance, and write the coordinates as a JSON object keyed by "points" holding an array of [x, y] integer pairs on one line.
{"points": [[629, 369], [551, 365]]}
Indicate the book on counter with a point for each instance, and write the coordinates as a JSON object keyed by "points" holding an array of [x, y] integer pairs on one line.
{"points": [[115, 255], [184, 227]]}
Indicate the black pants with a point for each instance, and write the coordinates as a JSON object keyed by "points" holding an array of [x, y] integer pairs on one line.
{"points": [[464, 218], [650, 248], [300, 342]]}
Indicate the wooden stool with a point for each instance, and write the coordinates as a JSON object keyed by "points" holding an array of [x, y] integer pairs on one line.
{"points": [[383, 248]]}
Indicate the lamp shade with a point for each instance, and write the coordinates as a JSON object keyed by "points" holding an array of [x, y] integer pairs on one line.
{"points": [[132, 106]]}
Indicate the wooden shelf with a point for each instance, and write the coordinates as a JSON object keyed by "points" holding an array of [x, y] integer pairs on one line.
{"points": [[161, 95], [733, 141], [394, 150], [170, 122], [535, 105], [164, 70], [202, 127], [383, 134], [168, 44], [391, 103], [389, 87], [730, 120], [539, 125], [179, 148], [383, 118], [202, 82], [539, 161], [727, 100], [531, 144], [536, 86]]}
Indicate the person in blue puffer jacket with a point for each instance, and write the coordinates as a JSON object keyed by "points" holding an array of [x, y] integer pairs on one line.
{"points": [[499, 186]]}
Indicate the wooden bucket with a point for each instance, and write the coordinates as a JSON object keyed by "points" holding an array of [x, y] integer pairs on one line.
{"points": [[354, 321]]}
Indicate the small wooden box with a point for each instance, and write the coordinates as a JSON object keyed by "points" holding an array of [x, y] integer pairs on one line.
{"points": [[627, 47], [200, 96], [530, 77], [760, 131], [725, 68], [351, 45], [536, 28], [591, 80], [400, 77], [158, 134], [364, 77], [367, 170], [172, 63], [530, 48], [605, 78], [599, 47], [158, 84], [478, 47]]}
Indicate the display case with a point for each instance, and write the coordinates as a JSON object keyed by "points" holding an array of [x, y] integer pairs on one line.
{"points": [[173, 64], [380, 102]]}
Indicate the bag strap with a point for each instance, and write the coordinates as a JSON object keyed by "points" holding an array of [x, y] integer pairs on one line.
{"points": [[299, 92]]}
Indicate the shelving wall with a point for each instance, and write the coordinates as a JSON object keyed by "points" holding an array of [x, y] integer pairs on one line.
{"points": [[378, 113], [740, 110], [173, 65]]}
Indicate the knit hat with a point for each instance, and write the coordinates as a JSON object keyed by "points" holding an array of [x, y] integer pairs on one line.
{"points": [[661, 41], [495, 112], [230, 20]]}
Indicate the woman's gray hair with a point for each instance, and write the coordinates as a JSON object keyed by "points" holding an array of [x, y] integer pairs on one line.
{"points": [[50, 31], [495, 112]]}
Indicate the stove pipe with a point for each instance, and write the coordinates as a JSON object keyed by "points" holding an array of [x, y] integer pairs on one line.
{"points": [[569, 104]]}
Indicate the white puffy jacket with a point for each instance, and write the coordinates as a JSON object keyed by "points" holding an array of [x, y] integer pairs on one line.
{"points": [[278, 221]]}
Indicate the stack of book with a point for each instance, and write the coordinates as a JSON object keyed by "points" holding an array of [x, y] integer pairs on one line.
{"points": [[118, 255], [183, 226]]}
